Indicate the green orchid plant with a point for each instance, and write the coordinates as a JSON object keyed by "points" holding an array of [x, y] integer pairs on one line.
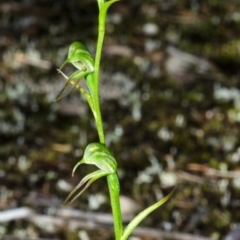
{"points": [[97, 153]]}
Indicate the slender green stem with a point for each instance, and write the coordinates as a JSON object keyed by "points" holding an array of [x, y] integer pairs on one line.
{"points": [[101, 32], [114, 189], [113, 183]]}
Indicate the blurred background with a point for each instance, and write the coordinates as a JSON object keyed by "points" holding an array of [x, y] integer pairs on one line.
{"points": [[170, 98]]}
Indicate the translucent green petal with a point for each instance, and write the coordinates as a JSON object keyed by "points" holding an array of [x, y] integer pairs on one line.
{"points": [[98, 155], [76, 47], [80, 57], [81, 61]]}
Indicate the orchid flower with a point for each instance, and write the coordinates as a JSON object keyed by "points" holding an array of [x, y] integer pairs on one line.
{"points": [[96, 154], [80, 57]]}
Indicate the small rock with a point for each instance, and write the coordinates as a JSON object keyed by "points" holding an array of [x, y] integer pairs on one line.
{"points": [[233, 235], [150, 29]]}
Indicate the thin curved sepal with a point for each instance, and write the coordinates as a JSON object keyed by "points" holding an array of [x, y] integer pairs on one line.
{"points": [[75, 77], [86, 94], [89, 179]]}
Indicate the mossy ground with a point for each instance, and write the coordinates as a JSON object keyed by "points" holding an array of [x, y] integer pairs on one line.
{"points": [[182, 122]]}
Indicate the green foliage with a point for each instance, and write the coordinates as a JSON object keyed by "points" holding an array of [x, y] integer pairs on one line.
{"points": [[97, 153]]}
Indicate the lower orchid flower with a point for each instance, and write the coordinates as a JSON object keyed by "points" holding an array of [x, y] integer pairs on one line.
{"points": [[96, 154]]}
